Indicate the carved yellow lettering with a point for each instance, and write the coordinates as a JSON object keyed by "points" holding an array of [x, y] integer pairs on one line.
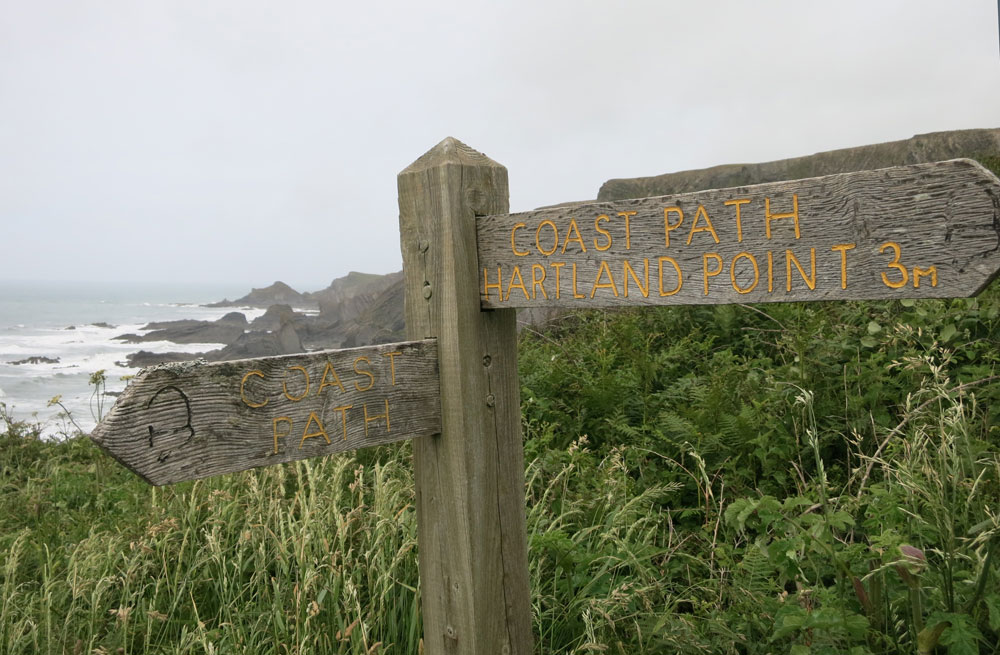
{"points": [[923, 272], [573, 229], [667, 227], [555, 237], [498, 286], [365, 372], [610, 284], [732, 271], [243, 395], [842, 248], [704, 267], [628, 228], [677, 268], [602, 231], [284, 386], [894, 264], [513, 233], [392, 364], [320, 431], [536, 282], [516, 273], [557, 266], [768, 216], [343, 417], [739, 222], [628, 271], [334, 381], [576, 294], [790, 259], [770, 271], [369, 419], [707, 228], [274, 429]]}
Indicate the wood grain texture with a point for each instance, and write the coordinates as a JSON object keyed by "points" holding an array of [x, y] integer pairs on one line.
{"points": [[178, 422], [470, 479], [921, 231]]}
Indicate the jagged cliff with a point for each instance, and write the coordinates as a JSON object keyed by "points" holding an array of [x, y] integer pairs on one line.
{"points": [[277, 293]]}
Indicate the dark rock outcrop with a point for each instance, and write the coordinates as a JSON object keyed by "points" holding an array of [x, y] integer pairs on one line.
{"points": [[273, 318], [224, 330], [278, 293], [922, 148], [36, 360], [383, 321], [288, 339], [167, 325], [334, 301], [235, 319], [203, 332], [259, 344], [346, 309]]}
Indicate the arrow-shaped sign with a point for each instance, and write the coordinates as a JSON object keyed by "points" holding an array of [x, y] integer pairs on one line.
{"points": [[185, 421], [923, 231]]}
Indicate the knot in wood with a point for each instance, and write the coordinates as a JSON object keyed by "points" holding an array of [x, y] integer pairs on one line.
{"points": [[478, 201]]}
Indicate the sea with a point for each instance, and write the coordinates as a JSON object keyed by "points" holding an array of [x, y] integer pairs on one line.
{"points": [[74, 323]]}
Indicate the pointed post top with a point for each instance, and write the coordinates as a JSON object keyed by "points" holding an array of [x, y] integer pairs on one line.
{"points": [[450, 151]]}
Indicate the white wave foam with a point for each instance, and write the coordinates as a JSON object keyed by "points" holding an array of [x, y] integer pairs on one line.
{"points": [[28, 388]]}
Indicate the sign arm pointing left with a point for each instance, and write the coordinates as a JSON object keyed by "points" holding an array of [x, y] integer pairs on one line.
{"points": [[177, 422]]}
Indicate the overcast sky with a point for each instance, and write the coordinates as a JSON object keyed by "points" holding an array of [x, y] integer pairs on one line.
{"points": [[248, 141]]}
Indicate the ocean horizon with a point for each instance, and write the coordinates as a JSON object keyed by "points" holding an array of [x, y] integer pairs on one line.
{"points": [[72, 325]]}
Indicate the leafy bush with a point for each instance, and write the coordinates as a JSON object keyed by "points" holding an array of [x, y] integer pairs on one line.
{"points": [[834, 467]]}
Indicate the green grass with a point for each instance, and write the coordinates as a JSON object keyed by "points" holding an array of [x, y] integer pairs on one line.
{"points": [[315, 557]]}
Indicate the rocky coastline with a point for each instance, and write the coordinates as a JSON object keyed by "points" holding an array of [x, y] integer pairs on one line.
{"points": [[357, 309]]}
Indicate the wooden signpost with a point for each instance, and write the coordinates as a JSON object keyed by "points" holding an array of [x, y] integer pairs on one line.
{"points": [[184, 421], [923, 231], [469, 479]]}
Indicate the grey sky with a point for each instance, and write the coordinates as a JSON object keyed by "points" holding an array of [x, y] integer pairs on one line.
{"points": [[252, 141]]}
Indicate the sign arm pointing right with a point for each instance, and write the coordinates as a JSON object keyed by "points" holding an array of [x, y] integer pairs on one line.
{"points": [[921, 231]]}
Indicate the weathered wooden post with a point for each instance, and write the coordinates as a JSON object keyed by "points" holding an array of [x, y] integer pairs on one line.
{"points": [[470, 478]]}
